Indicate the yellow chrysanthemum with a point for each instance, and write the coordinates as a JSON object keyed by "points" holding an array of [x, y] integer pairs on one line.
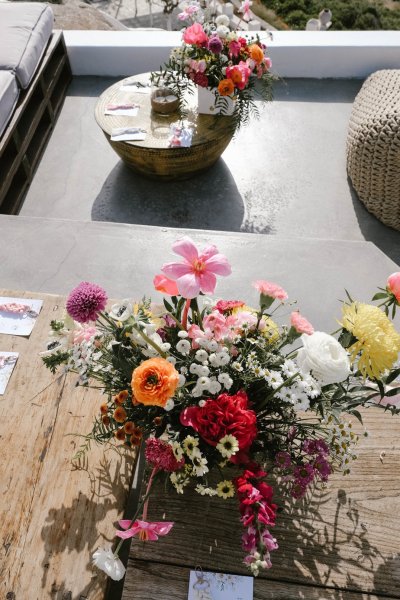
{"points": [[378, 343]]}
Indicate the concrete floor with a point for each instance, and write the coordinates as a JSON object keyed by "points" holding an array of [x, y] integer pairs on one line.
{"points": [[283, 175]]}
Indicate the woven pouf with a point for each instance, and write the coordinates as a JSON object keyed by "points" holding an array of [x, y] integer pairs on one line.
{"points": [[373, 146]]}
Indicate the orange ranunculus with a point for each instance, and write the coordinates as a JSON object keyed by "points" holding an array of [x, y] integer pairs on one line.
{"points": [[256, 53], [226, 87], [154, 382]]}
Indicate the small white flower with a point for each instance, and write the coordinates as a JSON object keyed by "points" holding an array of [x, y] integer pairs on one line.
{"points": [[194, 368], [105, 560], [202, 403], [205, 491], [183, 346], [121, 311], [183, 334], [177, 450], [222, 31], [223, 358], [165, 346], [237, 366], [197, 392], [203, 383], [172, 360], [203, 371], [228, 446], [212, 345], [226, 381], [213, 359], [189, 444], [184, 370], [214, 387], [182, 381], [201, 355], [225, 489], [199, 466], [222, 20], [169, 405]]}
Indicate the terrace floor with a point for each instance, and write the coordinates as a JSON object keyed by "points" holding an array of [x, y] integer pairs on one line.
{"points": [[284, 175]]}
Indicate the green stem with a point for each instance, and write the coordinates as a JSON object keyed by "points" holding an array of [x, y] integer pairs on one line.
{"points": [[150, 341], [196, 308]]}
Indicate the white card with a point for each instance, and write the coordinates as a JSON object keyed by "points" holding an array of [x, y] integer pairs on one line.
{"points": [[121, 111], [127, 134], [7, 363], [204, 585], [138, 87], [19, 323]]}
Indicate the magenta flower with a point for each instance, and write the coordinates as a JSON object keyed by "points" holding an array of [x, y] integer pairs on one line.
{"points": [[197, 273], [143, 529], [215, 44], [161, 456], [86, 301]]}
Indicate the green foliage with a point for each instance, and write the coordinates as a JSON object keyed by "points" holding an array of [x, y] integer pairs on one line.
{"points": [[354, 15]]}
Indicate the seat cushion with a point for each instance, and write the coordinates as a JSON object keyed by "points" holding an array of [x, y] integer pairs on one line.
{"points": [[25, 29], [9, 93]]}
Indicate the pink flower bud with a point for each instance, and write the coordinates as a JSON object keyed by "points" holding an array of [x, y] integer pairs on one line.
{"points": [[393, 285], [165, 285]]}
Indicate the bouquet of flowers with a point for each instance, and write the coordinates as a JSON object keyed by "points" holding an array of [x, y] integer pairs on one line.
{"points": [[219, 391], [212, 56]]}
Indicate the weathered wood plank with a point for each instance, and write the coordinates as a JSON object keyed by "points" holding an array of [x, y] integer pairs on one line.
{"points": [[53, 515], [155, 581], [345, 536]]}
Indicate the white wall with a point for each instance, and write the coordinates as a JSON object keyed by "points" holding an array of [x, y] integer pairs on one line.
{"points": [[294, 53]]}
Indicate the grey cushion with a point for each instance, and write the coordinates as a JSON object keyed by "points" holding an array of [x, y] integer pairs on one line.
{"points": [[25, 29], [9, 93]]}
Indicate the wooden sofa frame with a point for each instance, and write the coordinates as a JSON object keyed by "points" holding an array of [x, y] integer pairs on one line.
{"points": [[26, 134]]}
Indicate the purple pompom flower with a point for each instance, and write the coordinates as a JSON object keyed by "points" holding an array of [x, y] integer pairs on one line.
{"points": [[215, 44], [86, 301]]}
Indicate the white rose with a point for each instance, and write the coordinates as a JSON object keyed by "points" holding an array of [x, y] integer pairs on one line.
{"points": [[324, 357]]}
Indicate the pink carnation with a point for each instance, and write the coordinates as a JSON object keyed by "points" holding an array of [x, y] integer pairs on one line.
{"points": [[161, 456], [301, 324], [393, 285], [267, 288]]}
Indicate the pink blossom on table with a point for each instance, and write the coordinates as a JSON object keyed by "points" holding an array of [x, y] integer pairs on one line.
{"points": [[143, 529], [234, 48], [84, 333], [267, 288], [165, 285], [300, 323], [393, 285], [197, 273], [161, 456], [86, 301], [195, 35], [245, 9]]}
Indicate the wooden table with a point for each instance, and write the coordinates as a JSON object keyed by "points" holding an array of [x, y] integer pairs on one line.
{"points": [[153, 156], [54, 514], [340, 544]]}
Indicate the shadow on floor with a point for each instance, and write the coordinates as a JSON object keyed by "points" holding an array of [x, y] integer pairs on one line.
{"points": [[208, 201], [385, 238]]}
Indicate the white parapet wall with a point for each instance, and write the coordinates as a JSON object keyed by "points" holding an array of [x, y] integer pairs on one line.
{"points": [[316, 54]]}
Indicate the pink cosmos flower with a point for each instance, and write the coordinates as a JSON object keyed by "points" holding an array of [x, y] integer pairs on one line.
{"points": [[270, 289], [195, 35], [197, 273], [300, 323], [165, 285], [245, 9], [393, 285], [143, 529]]}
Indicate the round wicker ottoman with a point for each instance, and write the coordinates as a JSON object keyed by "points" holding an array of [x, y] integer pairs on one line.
{"points": [[373, 146]]}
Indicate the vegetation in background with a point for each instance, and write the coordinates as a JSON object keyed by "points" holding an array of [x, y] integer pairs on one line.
{"points": [[357, 14]]}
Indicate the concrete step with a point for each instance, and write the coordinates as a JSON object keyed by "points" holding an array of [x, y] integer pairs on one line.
{"points": [[54, 255]]}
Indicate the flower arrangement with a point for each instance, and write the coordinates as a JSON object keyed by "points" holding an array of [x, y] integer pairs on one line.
{"points": [[219, 389], [212, 56]]}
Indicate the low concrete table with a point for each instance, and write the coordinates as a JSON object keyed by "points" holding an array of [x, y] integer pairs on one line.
{"points": [[153, 156]]}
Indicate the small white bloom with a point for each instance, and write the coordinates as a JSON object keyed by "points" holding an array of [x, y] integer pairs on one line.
{"points": [[237, 366], [205, 491], [223, 358], [121, 311], [222, 31], [213, 359], [183, 334], [226, 381], [172, 360], [105, 560], [197, 392], [190, 445], [165, 346], [184, 370], [202, 403], [212, 345], [183, 346], [228, 446], [222, 20], [214, 387], [169, 405], [177, 450], [199, 466], [201, 355], [194, 368], [203, 383], [203, 371], [182, 381]]}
